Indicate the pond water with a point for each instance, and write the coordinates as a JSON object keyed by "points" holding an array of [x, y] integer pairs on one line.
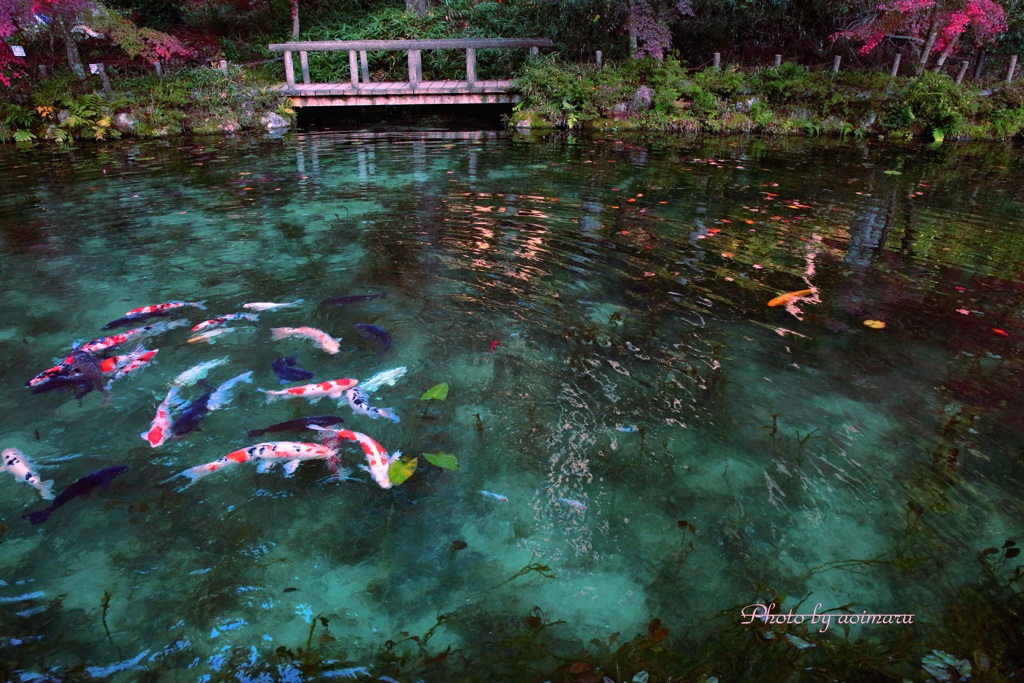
{"points": [[646, 448]]}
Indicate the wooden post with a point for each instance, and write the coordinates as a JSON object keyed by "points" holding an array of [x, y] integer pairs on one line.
{"points": [[103, 78], [353, 69], [895, 65], [224, 66], [471, 66], [43, 71], [1013, 66], [364, 67], [534, 51], [716, 61], [597, 59], [289, 69], [963, 72], [979, 65], [304, 65], [159, 69], [835, 63], [778, 61], [415, 68]]}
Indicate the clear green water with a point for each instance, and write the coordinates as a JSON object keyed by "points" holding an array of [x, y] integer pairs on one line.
{"points": [[721, 452]]}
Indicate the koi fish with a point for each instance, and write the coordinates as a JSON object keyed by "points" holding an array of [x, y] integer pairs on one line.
{"points": [[297, 424], [359, 402], [81, 488], [209, 335], [380, 337], [269, 306], [351, 299], [80, 371], [224, 320], [286, 371], [784, 299], [160, 429], [573, 503], [333, 388], [104, 343], [49, 372], [15, 462], [326, 341], [198, 372], [495, 496], [494, 345], [192, 414], [376, 456], [389, 377], [219, 399], [292, 453], [153, 311], [131, 362]]}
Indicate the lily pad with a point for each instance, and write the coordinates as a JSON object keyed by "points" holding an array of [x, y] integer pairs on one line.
{"points": [[438, 391], [444, 460], [401, 469]]}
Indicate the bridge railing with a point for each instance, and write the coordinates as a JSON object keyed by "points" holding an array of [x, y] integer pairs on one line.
{"points": [[357, 50]]}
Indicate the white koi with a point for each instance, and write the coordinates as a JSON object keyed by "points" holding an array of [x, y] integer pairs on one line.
{"points": [[326, 341], [573, 503], [269, 305], [389, 377], [210, 335], [495, 496], [198, 372], [160, 429], [334, 388], [292, 453], [15, 462], [219, 398], [376, 456]]}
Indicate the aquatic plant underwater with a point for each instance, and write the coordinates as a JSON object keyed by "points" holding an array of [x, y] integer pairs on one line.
{"points": [[642, 431]]}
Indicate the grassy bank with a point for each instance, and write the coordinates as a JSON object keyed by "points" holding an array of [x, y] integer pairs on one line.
{"points": [[664, 96]]}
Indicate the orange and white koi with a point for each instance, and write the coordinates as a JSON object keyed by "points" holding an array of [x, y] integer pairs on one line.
{"points": [[326, 341], [291, 453], [160, 429], [161, 309], [225, 319], [334, 388], [104, 343], [376, 456], [269, 305]]}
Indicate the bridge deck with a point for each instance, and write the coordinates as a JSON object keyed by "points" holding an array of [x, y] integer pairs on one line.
{"points": [[400, 93]]}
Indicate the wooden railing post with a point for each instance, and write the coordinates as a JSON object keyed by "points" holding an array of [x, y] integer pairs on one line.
{"points": [[415, 68], [364, 67], [963, 72], [304, 64], [835, 63], [289, 69], [223, 66], [1013, 66], [534, 51], [778, 61], [471, 66], [597, 58], [895, 65], [353, 69], [716, 60]]}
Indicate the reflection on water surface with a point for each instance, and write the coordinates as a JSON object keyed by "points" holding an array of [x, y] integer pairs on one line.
{"points": [[645, 446]]}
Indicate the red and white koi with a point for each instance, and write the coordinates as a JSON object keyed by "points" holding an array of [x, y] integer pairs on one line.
{"points": [[269, 305], [126, 363], [160, 429], [359, 402], [220, 398], [224, 320], [292, 453], [50, 372], [334, 388], [104, 343], [376, 456], [326, 341], [15, 462], [198, 372], [159, 309]]}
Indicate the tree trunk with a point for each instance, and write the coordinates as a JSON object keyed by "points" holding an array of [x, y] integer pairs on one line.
{"points": [[295, 19], [417, 7], [933, 33], [946, 53], [74, 58]]}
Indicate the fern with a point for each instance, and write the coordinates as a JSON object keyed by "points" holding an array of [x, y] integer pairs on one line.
{"points": [[24, 136]]}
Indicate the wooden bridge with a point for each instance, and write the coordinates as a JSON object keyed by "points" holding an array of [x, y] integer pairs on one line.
{"points": [[360, 91]]}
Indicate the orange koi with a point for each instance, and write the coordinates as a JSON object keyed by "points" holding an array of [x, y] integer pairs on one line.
{"points": [[784, 299]]}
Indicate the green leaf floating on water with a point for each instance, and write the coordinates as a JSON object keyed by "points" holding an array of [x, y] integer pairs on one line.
{"points": [[443, 460], [401, 469], [438, 391], [892, 172]]}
